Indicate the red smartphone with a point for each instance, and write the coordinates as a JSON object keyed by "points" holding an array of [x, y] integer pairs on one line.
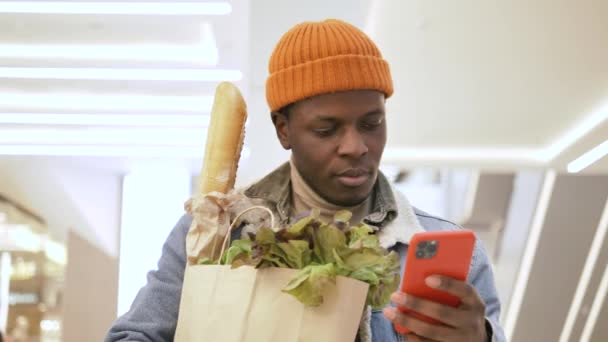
{"points": [[445, 253]]}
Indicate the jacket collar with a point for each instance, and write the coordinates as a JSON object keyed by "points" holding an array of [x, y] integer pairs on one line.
{"points": [[391, 211], [276, 188]]}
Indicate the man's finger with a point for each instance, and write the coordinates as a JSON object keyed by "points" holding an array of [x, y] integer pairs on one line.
{"points": [[467, 294], [420, 328], [416, 338], [446, 314]]}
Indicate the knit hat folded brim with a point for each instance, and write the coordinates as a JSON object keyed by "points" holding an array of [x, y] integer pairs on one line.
{"points": [[328, 75]]}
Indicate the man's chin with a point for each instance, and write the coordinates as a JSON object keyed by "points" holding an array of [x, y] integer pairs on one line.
{"points": [[353, 197]]}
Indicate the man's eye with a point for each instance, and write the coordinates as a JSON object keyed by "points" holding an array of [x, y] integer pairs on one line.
{"points": [[372, 125], [324, 132]]}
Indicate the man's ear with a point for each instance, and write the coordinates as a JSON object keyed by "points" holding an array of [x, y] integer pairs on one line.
{"points": [[281, 124]]}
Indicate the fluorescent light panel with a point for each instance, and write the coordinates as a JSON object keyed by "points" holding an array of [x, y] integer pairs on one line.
{"points": [[529, 254], [163, 120], [110, 151], [105, 136], [583, 283], [449, 153], [594, 313], [86, 101], [202, 54], [103, 151], [123, 8], [123, 74], [576, 133], [589, 158], [524, 155]]}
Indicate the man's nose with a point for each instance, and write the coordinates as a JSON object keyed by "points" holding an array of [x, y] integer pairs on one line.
{"points": [[352, 144]]}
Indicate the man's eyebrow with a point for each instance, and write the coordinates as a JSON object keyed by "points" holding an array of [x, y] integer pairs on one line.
{"points": [[324, 117], [329, 117], [374, 112]]}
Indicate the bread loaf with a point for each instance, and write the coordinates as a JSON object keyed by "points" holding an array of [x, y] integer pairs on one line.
{"points": [[224, 140]]}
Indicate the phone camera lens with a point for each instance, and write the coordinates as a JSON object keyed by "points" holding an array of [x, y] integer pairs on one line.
{"points": [[419, 254]]}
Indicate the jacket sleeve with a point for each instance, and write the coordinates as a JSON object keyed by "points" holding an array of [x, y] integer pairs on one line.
{"points": [[482, 278], [153, 314]]}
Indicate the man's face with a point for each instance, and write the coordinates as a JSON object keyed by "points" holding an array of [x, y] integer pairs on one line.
{"points": [[337, 141]]}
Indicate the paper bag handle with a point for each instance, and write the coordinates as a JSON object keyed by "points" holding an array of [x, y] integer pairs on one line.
{"points": [[232, 225]]}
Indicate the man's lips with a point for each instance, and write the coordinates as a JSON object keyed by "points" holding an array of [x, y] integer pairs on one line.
{"points": [[354, 177]]}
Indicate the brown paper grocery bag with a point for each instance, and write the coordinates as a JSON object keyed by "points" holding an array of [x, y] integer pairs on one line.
{"points": [[246, 304]]}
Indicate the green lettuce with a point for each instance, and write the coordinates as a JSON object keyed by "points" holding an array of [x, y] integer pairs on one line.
{"points": [[321, 251]]}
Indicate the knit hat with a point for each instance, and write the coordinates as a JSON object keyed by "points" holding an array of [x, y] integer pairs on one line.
{"points": [[316, 58]]}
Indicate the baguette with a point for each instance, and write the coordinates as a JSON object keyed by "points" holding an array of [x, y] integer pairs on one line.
{"points": [[224, 140]]}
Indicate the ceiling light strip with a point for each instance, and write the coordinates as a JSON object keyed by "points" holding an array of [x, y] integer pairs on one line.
{"points": [[121, 8], [573, 135], [588, 158], [104, 136], [122, 74], [199, 54], [143, 120], [110, 151], [458, 154], [594, 312], [102, 151], [583, 283], [123, 103], [529, 254]]}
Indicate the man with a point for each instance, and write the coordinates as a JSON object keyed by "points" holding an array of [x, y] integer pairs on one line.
{"points": [[326, 90]]}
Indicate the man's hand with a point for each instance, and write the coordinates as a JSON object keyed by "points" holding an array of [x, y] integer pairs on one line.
{"points": [[465, 323]]}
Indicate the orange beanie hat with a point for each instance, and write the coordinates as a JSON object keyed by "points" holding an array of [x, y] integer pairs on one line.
{"points": [[316, 58]]}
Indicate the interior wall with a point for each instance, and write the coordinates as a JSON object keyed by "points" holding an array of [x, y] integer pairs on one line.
{"points": [[91, 291]]}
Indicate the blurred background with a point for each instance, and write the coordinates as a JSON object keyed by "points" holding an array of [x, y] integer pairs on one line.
{"points": [[499, 122]]}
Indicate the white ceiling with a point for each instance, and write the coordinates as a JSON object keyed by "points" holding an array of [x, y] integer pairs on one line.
{"points": [[483, 84], [503, 76]]}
